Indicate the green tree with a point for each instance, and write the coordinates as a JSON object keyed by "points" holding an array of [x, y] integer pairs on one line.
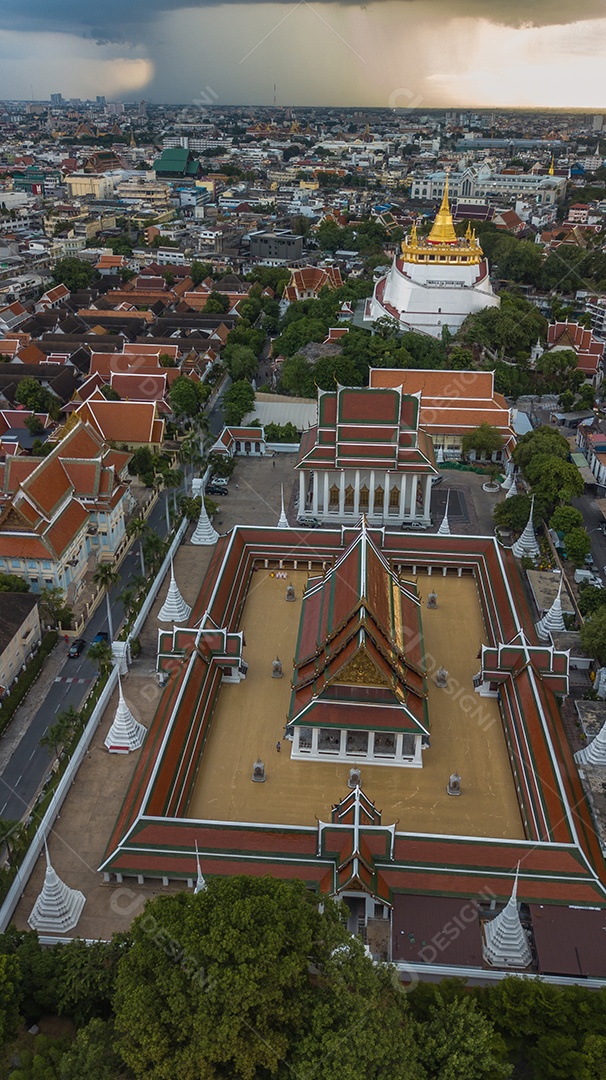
{"points": [[554, 479], [31, 394], [513, 513], [543, 440], [13, 583], [566, 518], [578, 545], [590, 599], [241, 362], [199, 271], [73, 273], [249, 979], [100, 654], [485, 440], [238, 401], [10, 997], [459, 1041], [296, 377], [593, 635], [52, 605], [183, 398], [104, 577], [217, 304], [92, 1055]]}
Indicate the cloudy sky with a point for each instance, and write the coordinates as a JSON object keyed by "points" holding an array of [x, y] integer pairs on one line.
{"points": [[390, 52]]}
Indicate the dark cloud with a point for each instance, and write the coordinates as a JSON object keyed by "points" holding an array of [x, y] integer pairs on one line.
{"points": [[128, 21]]}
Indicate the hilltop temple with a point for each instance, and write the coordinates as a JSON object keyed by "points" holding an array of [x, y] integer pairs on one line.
{"points": [[435, 281]]}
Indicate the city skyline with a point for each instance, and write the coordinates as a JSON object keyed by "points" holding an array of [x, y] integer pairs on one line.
{"points": [[431, 53]]}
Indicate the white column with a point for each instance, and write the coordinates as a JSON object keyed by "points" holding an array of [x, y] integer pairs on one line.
{"points": [[342, 494], [371, 744], [326, 495], [343, 743], [357, 494], [315, 493], [302, 479], [427, 503], [386, 496], [371, 494], [402, 496], [315, 732], [399, 745], [413, 496]]}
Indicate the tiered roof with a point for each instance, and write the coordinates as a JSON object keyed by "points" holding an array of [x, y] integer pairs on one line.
{"points": [[367, 428], [359, 661]]}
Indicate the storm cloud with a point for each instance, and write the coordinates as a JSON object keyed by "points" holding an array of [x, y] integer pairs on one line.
{"points": [[129, 21]]}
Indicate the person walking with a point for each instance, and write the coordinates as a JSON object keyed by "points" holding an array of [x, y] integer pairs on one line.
{"points": [[278, 747]]}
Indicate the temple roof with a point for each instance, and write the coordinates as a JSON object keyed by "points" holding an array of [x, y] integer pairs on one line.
{"points": [[360, 657]]}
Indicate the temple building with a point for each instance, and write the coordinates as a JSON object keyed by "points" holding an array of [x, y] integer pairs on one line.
{"points": [[434, 282], [359, 690], [366, 455]]}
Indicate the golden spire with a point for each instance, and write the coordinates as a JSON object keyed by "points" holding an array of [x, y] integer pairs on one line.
{"points": [[552, 166], [443, 230]]}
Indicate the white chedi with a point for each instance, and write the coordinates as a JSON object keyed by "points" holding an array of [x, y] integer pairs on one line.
{"points": [[126, 734], [58, 908], [204, 532], [174, 608], [505, 943], [595, 751]]}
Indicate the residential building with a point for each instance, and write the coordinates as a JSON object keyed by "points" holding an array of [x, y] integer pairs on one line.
{"points": [[20, 634]]}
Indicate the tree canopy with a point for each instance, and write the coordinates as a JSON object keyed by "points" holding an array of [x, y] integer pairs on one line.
{"points": [[485, 440], [74, 273]]}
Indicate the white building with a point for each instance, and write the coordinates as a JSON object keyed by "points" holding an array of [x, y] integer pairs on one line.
{"points": [[434, 283]]}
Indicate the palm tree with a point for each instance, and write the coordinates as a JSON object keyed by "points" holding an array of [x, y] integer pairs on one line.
{"points": [[105, 576], [137, 527], [171, 478], [153, 547], [101, 656]]}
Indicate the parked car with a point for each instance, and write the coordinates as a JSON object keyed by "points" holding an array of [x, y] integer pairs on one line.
{"points": [[101, 636], [219, 481], [77, 646], [214, 489], [309, 522], [437, 479]]}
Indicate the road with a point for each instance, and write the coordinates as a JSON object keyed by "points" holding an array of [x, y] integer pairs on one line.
{"points": [[30, 762], [592, 519]]}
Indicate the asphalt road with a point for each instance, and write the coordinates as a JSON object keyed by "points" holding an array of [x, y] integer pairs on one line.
{"points": [[30, 762], [592, 519]]}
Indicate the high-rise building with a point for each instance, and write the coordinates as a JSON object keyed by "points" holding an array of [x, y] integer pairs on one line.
{"points": [[56, 99]]}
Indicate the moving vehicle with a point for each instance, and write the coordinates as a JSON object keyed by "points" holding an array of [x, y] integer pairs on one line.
{"points": [[77, 646], [101, 636]]}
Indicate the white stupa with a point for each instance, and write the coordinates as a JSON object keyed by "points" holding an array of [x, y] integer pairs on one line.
{"points": [[126, 733], [204, 532], [283, 522], [444, 529], [512, 489], [595, 751], [505, 943], [58, 908], [508, 478], [440, 455], [200, 879], [553, 620], [526, 544], [434, 281], [174, 608]]}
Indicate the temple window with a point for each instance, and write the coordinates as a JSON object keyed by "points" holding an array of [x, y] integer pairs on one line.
{"points": [[305, 738], [329, 741], [357, 742], [364, 493], [333, 502], [385, 744], [349, 496], [379, 495], [394, 498]]}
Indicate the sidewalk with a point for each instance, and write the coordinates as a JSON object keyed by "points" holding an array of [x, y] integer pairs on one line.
{"points": [[24, 715]]}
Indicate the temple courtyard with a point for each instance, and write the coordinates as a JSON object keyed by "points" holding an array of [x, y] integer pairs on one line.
{"points": [[466, 731]]}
